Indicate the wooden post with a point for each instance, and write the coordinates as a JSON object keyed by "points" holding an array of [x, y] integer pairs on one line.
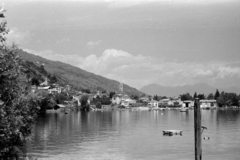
{"points": [[197, 130]]}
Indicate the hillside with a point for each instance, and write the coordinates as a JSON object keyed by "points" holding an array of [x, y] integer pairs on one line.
{"points": [[155, 89], [76, 77]]}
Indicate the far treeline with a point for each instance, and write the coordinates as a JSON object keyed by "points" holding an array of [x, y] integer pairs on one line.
{"points": [[223, 99]]}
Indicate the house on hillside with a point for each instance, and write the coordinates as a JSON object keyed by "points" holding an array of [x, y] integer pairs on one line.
{"points": [[100, 94], [116, 98], [33, 89], [128, 102], [123, 100], [45, 83], [144, 99], [54, 90]]}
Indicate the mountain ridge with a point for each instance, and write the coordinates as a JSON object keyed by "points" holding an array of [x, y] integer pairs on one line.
{"points": [[77, 77]]}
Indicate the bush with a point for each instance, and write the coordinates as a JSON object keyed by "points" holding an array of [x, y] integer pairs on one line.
{"points": [[98, 105], [20, 107]]}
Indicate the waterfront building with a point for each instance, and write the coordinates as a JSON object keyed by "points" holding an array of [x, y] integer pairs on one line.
{"points": [[153, 104], [188, 104], [208, 104]]}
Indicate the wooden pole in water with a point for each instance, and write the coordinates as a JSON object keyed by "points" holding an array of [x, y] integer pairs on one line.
{"points": [[197, 130]]}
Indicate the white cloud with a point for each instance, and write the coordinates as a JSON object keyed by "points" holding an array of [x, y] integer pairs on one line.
{"points": [[64, 40], [138, 70], [18, 37], [92, 44], [51, 55], [129, 3]]}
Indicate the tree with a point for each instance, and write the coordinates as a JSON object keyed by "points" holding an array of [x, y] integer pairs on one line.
{"points": [[228, 99], [135, 97], [84, 103], [186, 96], [20, 107], [156, 98], [35, 81], [201, 96], [195, 95], [216, 95], [164, 97], [221, 100], [111, 94], [105, 100], [210, 96], [86, 91], [99, 105]]}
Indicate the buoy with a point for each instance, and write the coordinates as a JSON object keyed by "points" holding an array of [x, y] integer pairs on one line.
{"points": [[206, 138]]}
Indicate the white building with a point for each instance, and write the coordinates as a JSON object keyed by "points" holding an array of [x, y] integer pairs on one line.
{"points": [[188, 104], [153, 104], [207, 104]]}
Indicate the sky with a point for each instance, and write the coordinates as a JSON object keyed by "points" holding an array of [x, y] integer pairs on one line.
{"points": [[136, 42]]}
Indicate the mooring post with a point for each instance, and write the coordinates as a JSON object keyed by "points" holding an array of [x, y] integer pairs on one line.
{"points": [[197, 130]]}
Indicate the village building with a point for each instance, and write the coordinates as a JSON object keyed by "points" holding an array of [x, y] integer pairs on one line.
{"points": [[164, 102], [188, 104], [55, 90], [208, 104], [123, 100], [117, 98], [153, 104], [144, 99]]}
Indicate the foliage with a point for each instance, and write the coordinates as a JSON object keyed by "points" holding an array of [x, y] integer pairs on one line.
{"points": [[135, 97], [210, 96], [195, 95], [84, 100], [163, 97], [35, 81], [20, 107], [76, 77], [221, 100], [103, 100], [186, 96], [61, 97], [47, 101], [86, 91], [201, 96], [228, 99], [111, 94], [99, 105], [216, 95], [37, 73], [156, 97], [3, 32]]}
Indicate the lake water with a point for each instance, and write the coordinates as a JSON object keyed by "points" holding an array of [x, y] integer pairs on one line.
{"points": [[134, 135]]}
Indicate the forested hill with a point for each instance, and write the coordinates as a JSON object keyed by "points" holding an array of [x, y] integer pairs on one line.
{"points": [[75, 77]]}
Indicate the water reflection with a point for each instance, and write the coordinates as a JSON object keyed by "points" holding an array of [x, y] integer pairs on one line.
{"points": [[133, 135]]}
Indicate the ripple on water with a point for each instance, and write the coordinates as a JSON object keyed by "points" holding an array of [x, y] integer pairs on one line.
{"points": [[137, 135]]}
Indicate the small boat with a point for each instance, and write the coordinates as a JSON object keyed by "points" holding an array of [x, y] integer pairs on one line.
{"points": [[171, 132], [183, 110], [143, 108]]}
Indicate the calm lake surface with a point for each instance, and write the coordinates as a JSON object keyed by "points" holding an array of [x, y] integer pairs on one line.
{"points": [[134, 135]]}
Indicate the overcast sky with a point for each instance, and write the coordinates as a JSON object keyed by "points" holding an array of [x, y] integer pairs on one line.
{"points": [[167, 42]]}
